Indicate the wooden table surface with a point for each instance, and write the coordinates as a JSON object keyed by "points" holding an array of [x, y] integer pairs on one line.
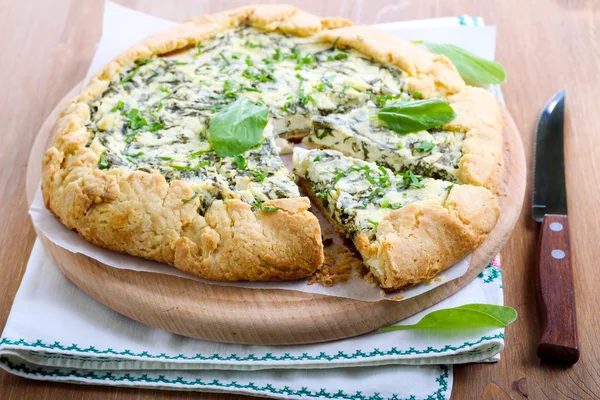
{"points": [[545, 46]]}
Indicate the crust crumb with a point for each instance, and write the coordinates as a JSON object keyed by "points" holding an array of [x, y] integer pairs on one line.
{"points": [[370, 279], [338, 267], [436, 279]]}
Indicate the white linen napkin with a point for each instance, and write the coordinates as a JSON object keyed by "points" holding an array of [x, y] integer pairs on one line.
{"points": [[56, 332]]}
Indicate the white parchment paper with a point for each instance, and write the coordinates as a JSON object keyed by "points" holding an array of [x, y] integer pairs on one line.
{"points": [[122, 28]]}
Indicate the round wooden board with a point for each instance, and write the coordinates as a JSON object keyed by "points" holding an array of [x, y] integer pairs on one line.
{"points": [[238, 315]]}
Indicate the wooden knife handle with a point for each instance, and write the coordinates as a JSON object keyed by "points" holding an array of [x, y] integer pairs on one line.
{"points": [[556, 292]]}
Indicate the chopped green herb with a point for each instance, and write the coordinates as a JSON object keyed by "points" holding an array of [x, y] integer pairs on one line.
{"points": [[382, 100], [320, 87], [193, 197], [102, 162], [425, 147], [164, 90], [339, 176], [412, 180], [251, 45], [338, 56], [157, 126], [134, 72], [120, 105], [264, 208], [249, 88], [323, 197], [189, 167], [258, 174], [307, 59], [141, 153], [129, 77], [321, 133], [377, 192], [335, 42], [385, 203], [417, 95], [261, 76], [136, 121], [225, 58], [165, 158], [198, 48], [375, 224], [177, 62], [240, 161], [130, 137], [199, 153], [288, 104]]}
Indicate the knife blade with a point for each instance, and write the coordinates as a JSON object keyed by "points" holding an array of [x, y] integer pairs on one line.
{"points": [[549, 188], [555, 287]]}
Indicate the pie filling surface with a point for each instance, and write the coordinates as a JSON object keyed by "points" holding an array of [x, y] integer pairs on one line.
{"points": [[154, 117], [359, 194]]}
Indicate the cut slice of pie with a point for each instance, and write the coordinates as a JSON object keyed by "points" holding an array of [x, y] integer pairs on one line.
{"points": [[358, 133], [462, 152], [407, 228]]}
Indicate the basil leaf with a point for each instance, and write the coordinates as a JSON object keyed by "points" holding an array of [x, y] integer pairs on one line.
{"points": [[237, 127], [467, 316], [471, 67], [414, 116]]}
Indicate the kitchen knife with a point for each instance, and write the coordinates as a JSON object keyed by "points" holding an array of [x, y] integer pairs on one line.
{"points": [[555, 274]]}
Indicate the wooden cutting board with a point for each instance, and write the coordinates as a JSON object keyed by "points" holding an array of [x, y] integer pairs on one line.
{"points": [[238, 315]]}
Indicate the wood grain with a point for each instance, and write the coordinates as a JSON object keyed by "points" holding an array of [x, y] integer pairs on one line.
{"points": [[230, 314], [555, 292], [546, 45]]}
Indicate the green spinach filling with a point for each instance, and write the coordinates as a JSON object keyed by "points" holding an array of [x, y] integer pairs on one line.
{"points": [[359, 194]]}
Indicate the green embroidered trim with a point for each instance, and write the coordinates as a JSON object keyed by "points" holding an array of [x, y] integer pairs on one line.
{"points": [[491, 274], [322, 356], [442, 380]]}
